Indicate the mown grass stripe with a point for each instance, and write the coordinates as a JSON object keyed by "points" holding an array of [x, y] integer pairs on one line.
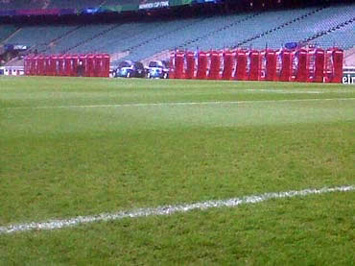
{"points": [[165, 210], [177, 103]]}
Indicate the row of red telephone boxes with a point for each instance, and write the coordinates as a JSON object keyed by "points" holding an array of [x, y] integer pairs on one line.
{"points": [[302, 65], [87, 65]]}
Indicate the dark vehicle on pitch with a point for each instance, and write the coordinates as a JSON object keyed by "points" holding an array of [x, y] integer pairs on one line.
{"points": [[158, 69], [128, 69]]}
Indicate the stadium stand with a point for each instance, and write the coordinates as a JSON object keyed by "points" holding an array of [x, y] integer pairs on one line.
{"points": [[79, 36], [6, 31], [342, 36], [138, 40], [309, 26], [132, 36], [39, 37]]}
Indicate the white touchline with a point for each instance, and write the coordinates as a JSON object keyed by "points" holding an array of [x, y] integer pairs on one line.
{"points": [[278, 91], [164, 210], [175, 104]]}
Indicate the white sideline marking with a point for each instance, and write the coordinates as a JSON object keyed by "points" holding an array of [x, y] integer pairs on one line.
{"points": [[176, 104], [164, 210], [288, 91]]}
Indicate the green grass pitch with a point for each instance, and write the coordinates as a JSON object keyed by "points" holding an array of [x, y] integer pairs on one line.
{"points": [[73, 147]]}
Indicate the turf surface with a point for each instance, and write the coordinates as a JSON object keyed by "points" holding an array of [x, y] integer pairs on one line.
{"points": [[86, 146]]}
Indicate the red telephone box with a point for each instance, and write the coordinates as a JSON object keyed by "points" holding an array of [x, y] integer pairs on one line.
{"points": [[172, 65], [95, 70], [33, 65], [54, 62], [286, 69], [202, 65], [215, 66], [45, 65], [106, 65], [190, 65], [74, 68], [337, 60], [83, 62], [319, 65], [98, 67], [27, 65], [255, 65], [90, 66], [99, 70], [271, 65], [228, 65], [52, 65], [303, 66], [68, 65], [61, 65], [241, 71], [40, 65], [311, 64], [179, 65]]}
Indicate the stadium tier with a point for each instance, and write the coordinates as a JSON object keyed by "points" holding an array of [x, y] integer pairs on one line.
{"points": [[312, 25], [326, 26], [344, 36], [81, 35], [39, 37], [6, 31]]}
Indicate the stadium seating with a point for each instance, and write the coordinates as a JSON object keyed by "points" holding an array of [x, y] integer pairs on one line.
{"points": [[131, 36], [80, 35], [343, 37], [139, 40], [269, 29], [189, 35], [6, 31], [39, 37], [319, 22]]}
